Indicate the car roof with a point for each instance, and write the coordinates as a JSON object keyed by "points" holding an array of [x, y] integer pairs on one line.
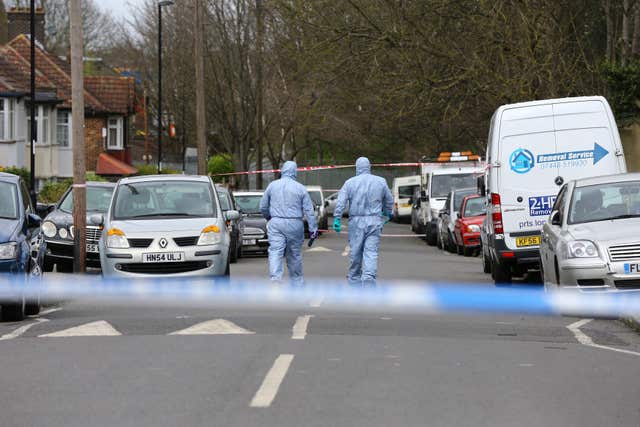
{"points": [[248, 193], [101, 184], [168, 177], [607, 179], [9, 177]]}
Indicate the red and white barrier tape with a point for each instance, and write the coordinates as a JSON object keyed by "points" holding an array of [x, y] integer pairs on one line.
{"points": [[326, 167]]}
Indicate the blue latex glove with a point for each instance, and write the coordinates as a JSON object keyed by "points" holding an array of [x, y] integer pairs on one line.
{"points": [[337, 225], [312, 237], [388, 216]]}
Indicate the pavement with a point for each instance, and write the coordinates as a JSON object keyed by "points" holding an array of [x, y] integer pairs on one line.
{"points": [[80, 363]]}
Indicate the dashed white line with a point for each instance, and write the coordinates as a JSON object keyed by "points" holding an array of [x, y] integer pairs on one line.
{"points": [[300, 327], [49, 311], [21, 330], [584, 339], [272, 381]]}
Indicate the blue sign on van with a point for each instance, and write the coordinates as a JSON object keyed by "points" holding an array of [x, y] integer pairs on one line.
{"points": [[521, 161], [541, 205], [596, 154]]}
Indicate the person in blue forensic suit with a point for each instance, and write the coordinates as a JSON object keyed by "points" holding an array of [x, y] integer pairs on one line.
{"points": [[284, 204], [370, 207]]}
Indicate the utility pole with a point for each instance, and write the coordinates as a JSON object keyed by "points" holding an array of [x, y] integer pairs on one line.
{"points": [[259, 90], [159, 87], [34, 125], [146, 127], [201, 126], [77, 120]]}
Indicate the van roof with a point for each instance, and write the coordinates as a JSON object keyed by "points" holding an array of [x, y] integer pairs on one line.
{"points": [[551, 101]]}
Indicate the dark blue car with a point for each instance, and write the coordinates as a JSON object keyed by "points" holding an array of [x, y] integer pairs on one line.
{"points": [[21, 249]]}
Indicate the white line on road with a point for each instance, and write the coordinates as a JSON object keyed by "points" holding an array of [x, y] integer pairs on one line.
{"points": [[49, 311], [21, 330], [346, 251], [272, 381], [584, 339], [92, 329], [300, 327], [214, 327]]}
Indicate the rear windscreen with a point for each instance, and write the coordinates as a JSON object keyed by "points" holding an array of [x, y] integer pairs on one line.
{"points": [[406, 191]]}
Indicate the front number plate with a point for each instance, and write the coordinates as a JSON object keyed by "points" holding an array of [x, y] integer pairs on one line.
{"points": [[92, 248], [527, 241], [249, 242], [163, 257]]}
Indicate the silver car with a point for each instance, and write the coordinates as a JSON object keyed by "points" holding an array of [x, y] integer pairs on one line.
{"points": [[591, 241], [168, 225]]}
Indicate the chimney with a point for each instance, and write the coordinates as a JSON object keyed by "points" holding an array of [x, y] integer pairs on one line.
{"points": [[19, 22]]}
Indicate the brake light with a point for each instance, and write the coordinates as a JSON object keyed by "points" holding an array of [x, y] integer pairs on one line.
{"points": [[496, 213]]}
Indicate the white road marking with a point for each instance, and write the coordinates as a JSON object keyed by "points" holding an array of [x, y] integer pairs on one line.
{"points": [[505, 323], [49, 311], [21, 330], [584, 339], [272, 381], [385, 318], [300, 327], [214, 327], [317, 302], [319, 249], [92, 329], [346, 251]]}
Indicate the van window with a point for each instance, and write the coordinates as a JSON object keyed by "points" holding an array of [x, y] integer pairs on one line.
{"points": [[406, 191], [441, 185]]}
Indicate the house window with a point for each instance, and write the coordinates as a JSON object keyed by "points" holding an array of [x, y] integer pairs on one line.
{"points": [[114, 133], [7, 117], [42, 123], [63, 128]]}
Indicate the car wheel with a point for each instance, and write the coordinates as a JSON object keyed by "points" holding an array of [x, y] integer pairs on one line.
{"points": [[48, 265], [432, 239], [451, 246], [227, 270], [467, 251], [486, 261], [233, 252], [64, 267], [13, 312], [32, 308], [459, 249], [501, 274]]}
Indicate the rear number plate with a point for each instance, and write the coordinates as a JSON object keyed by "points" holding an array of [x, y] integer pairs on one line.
{"points": [[248, 242], [163, 257], [527, 241]]}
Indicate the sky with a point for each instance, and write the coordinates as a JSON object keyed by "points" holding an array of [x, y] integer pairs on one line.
{"points": [[119, 8]]}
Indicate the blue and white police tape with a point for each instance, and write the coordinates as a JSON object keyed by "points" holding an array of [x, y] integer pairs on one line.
{"points": [[412, 297]]}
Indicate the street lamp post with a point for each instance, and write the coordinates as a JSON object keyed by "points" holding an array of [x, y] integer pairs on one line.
{"points": [[160, 5], [33, 111]]}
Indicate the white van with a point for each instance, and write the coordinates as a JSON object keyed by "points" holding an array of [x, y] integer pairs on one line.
{"points": [[533, 149], [403, 189]]}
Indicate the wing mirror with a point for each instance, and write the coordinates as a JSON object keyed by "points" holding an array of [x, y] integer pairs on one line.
{"points": [[33, 220], [458, 215], [326, 203], [232, 215], [97, 220], [423, 196], [556, 218]]}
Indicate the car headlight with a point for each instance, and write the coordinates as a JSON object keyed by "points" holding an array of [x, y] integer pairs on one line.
{"points": [[209, 236], [116, 239], [581, 249], [63, 232], [8, 250], [473, 228], [49, 229]]}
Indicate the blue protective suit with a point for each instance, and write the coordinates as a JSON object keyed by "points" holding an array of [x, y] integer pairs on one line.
{"points": [[368, 197], [285, 202]]}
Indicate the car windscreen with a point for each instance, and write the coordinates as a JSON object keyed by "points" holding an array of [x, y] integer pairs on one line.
{"points": [[164, 199], [406, 191], [98, 199], [248, 204], [475, 206], [605, 202], [9, 197], [316, 197], [458, 197], [441, 185]]}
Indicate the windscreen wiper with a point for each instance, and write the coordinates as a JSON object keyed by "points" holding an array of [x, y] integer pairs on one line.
{"points": [[625, 216], [161, 214]]}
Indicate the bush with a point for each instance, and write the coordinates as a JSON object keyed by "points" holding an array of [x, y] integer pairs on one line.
{"points": [[144, 169], [220, 163], [22, 172], [93, 177], [52, 191]]}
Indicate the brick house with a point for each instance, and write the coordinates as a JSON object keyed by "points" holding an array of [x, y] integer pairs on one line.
{"points": [[110, 104]]}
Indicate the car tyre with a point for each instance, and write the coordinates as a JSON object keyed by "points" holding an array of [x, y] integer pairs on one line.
{"points": [[501, 274], [432, 239], [48, 265], [233, 252], [13, 312], [459, 249], [486, 262], [467, 251], [64, 267]]}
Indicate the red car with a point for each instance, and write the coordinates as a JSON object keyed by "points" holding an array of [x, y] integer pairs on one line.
{"points": [[467, 228]]}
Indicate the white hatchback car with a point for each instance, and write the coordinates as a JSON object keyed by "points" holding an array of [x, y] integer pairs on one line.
{"points": [[168, 225]]}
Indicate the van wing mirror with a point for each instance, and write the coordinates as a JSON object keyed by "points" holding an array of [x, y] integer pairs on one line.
{"points": [[232, 215], [556, 218], [482, 190]]}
